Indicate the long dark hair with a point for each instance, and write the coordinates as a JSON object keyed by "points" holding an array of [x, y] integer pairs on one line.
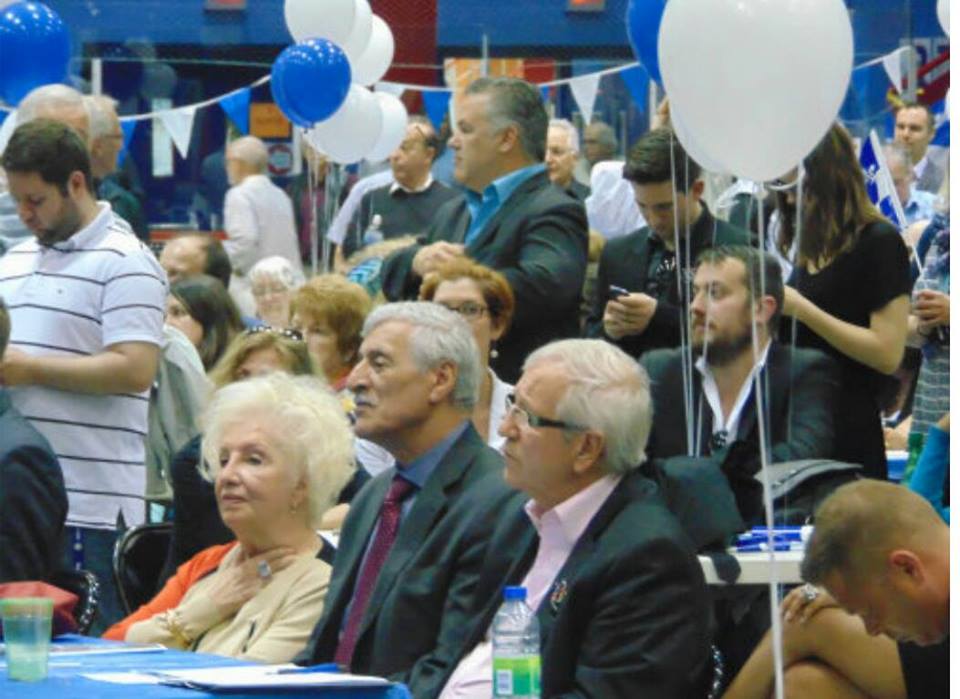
{"points": [[836, 207], [207, 301]]}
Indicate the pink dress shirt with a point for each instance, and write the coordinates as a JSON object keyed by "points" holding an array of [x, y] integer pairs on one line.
{"points": [[559, 529]]}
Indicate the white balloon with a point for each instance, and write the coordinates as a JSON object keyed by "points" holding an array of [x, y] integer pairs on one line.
{"points": [[326, 19], [370, 66], [394, 127], [700, 156], [943, 14], [353, 130], [355, 44], [758, 81]]}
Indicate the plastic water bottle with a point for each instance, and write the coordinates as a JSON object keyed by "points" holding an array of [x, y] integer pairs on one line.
{"points": [[516, 648], [373, 234]]}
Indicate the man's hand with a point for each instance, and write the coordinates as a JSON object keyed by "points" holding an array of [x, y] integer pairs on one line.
{"points": [[15, 368], [932, 308], [435, 255], [628, 315]]}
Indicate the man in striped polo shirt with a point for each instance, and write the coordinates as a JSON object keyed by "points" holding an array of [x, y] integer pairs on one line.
{"points": [[86, 304]]}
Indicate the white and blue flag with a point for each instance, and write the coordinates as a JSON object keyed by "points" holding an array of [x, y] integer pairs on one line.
{"points": [[879, 181]]}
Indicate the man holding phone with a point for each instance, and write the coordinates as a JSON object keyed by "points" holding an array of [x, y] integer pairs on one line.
{"points": [[643, 307]]}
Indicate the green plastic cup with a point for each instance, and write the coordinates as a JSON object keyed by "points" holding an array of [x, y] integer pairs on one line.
{"points": [[26, 635]]}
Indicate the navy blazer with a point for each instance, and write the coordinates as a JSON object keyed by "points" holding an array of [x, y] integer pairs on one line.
{"points": [[538, 241], [415, 615], [33, 500], [629, 614]]}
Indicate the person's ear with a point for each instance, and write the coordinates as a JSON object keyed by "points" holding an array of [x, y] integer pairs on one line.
{"points": [[509, 139], [444, 381], [904, 566], [497, 328], [696, 189], [766, 308], [76, 183], [590, 451]]}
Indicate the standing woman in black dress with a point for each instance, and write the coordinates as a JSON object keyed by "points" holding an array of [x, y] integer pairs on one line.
{"points": [[849, 291]]}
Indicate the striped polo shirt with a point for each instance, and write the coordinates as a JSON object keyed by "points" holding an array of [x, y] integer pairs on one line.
{"points": [[100, 287]]}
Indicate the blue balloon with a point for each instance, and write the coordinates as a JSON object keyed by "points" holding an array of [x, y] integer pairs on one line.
{"points": [[310, 80], [34, 49], [643, 28]]}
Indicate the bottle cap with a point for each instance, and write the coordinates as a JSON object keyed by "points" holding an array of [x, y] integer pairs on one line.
{"points": [[514, 592]]}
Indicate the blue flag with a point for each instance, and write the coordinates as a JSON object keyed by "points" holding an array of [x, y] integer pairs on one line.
{"points": [[436, 103], [879, 183], [236, 105]]}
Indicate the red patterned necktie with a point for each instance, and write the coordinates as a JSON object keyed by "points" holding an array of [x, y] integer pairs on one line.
{"points": [[383, 540]]}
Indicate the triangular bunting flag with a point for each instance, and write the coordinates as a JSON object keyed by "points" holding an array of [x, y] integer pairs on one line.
{"points": [[128, 127], [584, 89], [637, 82], [390, 88], [545, 93], [892, 64], [436, 103], [236, 105], [7, 127], [179, 124]]}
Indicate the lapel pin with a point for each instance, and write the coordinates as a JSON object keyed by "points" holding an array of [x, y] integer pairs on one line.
{"points": [[557, 595]]}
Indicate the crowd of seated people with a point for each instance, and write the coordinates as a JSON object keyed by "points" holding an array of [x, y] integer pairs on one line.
{"points": [[446, 418]]}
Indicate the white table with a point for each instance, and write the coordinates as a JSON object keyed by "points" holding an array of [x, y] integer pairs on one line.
{"points": [[755, 568]]}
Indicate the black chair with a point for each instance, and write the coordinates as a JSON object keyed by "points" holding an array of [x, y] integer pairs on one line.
{"points": [[138, 559], [86, 587]]}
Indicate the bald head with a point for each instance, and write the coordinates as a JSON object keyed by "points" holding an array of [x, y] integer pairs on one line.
{"points": [[862, 522], [246, 156], [57, 102]]}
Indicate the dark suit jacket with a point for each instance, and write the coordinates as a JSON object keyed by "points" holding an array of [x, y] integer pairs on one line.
{"points": [[629, 614], [415, 616], [799, 385], [33, 500], [625, 262], [538, 241]]}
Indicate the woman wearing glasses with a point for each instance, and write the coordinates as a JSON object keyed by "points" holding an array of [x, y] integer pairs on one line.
{"points": [[850, 289], [485, 300]]}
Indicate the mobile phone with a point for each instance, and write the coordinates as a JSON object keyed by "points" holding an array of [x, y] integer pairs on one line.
{"points": [[617, 291]]}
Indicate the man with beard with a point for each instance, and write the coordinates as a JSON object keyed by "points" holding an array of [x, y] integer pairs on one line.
{"points": [[734, 310], [86, 303]]}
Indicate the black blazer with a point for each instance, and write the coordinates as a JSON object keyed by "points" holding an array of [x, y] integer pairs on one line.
{"points": [[538, 241], [33, 500], [629, 614], [415, 616], [800, 385], [624, 262]]}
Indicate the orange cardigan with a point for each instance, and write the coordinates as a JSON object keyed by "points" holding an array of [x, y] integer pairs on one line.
{"points": [[175, 589]]}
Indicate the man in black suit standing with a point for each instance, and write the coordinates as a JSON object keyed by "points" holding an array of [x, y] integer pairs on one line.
{"points": [[33, 500], [641, 296], [512, 219], [736, 304], [619, 594], [411, 547]]}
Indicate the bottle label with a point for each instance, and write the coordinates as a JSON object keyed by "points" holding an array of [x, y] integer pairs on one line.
{"points": [[516, 677]]}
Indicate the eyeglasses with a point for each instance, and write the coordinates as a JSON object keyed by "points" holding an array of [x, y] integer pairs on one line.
{"points": [[525, 418], [288, 333], [468, 310], [260, 292]]}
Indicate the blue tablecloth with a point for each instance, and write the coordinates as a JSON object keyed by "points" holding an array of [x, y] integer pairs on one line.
{"points": [[65, 680]]}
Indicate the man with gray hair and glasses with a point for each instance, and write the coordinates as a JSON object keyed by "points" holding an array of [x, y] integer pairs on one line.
{"points": [[512, 219], [615, 583], [410, 549]]}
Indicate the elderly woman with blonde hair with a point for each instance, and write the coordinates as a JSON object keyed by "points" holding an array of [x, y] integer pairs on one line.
{"points": [[279, 450]]}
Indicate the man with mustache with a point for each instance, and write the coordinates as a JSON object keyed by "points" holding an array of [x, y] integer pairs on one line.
{"points": [[734, 310], [411, 547]]}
